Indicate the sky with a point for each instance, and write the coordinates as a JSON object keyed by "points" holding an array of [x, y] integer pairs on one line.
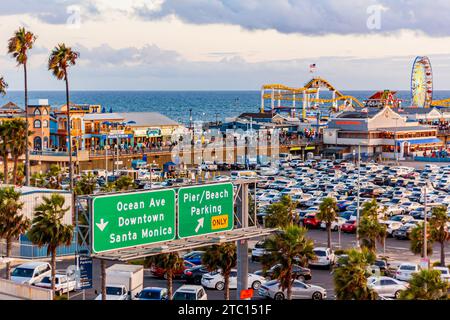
{"points": [[229, 44]]}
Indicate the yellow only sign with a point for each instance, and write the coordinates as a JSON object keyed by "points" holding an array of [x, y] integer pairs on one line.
{"points": [[219, 222]]}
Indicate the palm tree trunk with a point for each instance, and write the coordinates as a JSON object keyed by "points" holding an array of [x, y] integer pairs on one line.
{"points": [[169, 284], [27, 152], [443, 254], [289, 291], [5, 166], [227, 286], [69, 136], [103, 267], [53, 262], [8, 254], [329, 235], [16, 163]]}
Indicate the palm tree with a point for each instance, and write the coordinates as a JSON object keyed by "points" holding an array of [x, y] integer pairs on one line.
{"points": [[86, 185], [5, 135], [370, 230], [327, 213], [281, 214], [48, 229], [3, 86], [223, 258], [426, 285], [54, 176], [38, 180], [124, 183], [18, 128], [12, 222], [170, 262], [439, 232], [61, 58], [417, 239], [18, 47], [289, 247], [350, 278]]}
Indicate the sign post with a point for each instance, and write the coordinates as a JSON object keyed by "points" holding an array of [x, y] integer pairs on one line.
{"points": [[128, 220], [205, 209]]}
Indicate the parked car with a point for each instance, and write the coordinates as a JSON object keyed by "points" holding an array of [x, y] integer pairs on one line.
{"points": [[310, 221], [62, 284], [190, 292], [152, 293], [335, 225], [406, 270], [194, 275], [349, 226], [403, 232], [194, 257], [386, 286], [445, 273], [215, 280], [258, 251], [324, 257], [31, 272], [300, 290], [299, 272]]}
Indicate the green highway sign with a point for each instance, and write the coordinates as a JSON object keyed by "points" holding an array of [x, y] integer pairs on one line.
{"points": [[205, 209], [127, 220]]}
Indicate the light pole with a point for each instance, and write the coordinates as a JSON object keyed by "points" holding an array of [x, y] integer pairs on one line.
{"points": [[357, 195], [425, 240]]}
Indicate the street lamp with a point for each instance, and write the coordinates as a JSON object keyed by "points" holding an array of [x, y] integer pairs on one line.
{"points": [[357, 195]]}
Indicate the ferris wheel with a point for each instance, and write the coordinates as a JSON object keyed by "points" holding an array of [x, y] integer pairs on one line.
{"points": [[422, 83]]}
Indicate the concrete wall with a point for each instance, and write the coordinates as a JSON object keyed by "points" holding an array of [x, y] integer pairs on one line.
{"points": [[11, 291]]}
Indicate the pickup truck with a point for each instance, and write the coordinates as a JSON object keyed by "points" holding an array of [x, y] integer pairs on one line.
{"points": [[123, 282]]}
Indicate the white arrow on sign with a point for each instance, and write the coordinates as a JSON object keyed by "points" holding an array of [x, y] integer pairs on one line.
{"points": [[102, 225], [200, 224]]}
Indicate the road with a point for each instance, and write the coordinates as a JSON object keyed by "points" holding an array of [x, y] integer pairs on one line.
{"points": [[396, 250]]}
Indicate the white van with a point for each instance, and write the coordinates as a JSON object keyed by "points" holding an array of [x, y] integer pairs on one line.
{"points": [[31, 272]]}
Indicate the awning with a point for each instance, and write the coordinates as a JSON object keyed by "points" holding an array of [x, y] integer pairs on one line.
{"points": [[296, 149], [334, 150], [421, 141], [310, 148]]}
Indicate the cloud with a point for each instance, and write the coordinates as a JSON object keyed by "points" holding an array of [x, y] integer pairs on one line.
{"points": [[311, 17]]}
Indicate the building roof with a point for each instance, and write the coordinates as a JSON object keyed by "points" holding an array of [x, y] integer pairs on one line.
{"points": [[103, 116], [412, 128], [413, 110], [148, 119], [11, 107], [358, 115], [256, 115]]}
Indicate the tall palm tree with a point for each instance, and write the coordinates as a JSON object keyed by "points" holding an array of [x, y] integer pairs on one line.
{"points": [[5, 147], [18, 128], [350, 278], [328, 213], [3, 86], [61, 58], [86, 185], [281, 214], [124, 183], [223, 258], [417, 240], [426, 285], [439, 232], [170, 262], [18, 47], [48, 229], [12, 222], [287, 248], [370, 230]]}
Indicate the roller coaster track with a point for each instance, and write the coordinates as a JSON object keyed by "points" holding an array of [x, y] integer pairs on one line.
{"points": [[287, 93], [441, 103]]}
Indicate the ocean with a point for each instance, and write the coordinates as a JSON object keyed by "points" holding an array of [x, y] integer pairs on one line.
{"points": [[205, 105]]}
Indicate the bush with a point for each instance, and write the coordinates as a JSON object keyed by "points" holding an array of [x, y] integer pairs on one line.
{"points": [[436, 264], [340, 251]]}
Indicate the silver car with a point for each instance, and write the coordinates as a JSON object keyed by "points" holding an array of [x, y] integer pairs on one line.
{"points": [[386, 286], [300, 290]]}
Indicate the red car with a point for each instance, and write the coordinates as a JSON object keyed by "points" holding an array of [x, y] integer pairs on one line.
{"points": [[310, 221], [161, 273], [349, 227]]}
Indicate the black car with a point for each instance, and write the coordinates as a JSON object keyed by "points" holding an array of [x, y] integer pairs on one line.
{"points": [[298, 272], [194, 275], [402, 233]]}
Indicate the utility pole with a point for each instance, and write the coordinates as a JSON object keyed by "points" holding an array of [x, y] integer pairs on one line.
{"points": [[357, 195], [425, 240]]}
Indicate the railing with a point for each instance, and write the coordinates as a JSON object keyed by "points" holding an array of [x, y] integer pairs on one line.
{"points": [[52, 153]]}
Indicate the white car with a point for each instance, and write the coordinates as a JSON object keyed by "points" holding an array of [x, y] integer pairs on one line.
{"points": [[335, 225], [386, 286], [324, 257], [445, 273], [190, 292], [258, 251], [31, 272], [62, 284], [300, 290], [406, 270], [215, 280], [391, 226]]}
